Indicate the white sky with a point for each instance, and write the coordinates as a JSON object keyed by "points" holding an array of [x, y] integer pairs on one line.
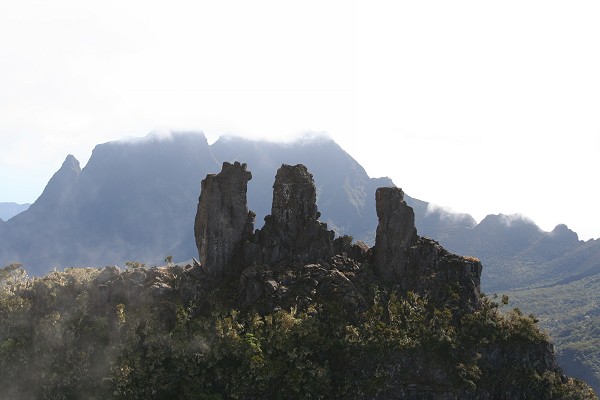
{"points": [[480, 106]]}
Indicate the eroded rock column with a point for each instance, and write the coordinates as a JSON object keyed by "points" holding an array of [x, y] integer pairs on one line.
{"points": [[223, 219], [292, 231], [396, 232]]}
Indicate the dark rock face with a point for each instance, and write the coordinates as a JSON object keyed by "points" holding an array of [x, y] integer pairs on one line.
{"points": [[269, 288], [444, 277], [396, 232], [292, 232], [419, 264], [222, 219]]}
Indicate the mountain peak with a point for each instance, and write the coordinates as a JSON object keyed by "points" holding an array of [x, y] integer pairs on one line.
{"points": [[59, 186], [563, 231], [71, 163]]}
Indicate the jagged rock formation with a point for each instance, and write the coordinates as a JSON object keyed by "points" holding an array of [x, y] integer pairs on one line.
{"points": [[293, 237], [292, 232], [420, 264], [223, 218]]}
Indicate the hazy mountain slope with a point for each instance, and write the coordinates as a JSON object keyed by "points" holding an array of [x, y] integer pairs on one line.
{"points": [[36, 237], [579, 263], [137, 197], [570, 311], [132, 201], [558, 256], [515, 251], [9, 210], [441, 225]]}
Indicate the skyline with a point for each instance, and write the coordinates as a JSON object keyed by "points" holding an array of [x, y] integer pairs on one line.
{"points": [[481, 108]]}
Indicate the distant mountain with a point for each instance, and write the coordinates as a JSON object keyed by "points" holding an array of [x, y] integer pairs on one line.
{"points": [[516, 252], [134, 200], [9, 210]]}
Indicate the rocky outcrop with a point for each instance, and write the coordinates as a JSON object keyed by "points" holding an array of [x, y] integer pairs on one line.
{"points": [[292, 232], [418, 264], [293, 237], [446, 279], [223, 219], [270, 288]]}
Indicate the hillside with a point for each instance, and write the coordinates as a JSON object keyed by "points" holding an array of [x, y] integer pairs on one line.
{"points": [[569, 309], [284, 311]]}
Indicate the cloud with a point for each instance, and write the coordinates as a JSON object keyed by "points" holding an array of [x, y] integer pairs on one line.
{"points": [[512, 219]]}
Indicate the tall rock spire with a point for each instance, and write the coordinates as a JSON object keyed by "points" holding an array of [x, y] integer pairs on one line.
{"points": [[292, 231], [396, 232], [223, 218]]}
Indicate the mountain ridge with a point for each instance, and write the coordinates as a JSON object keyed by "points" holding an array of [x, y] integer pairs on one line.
{"points": [[10, 209]]}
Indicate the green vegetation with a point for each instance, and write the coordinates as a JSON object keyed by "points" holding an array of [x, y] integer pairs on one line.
{"points": [[571, 314], [69, 336]]}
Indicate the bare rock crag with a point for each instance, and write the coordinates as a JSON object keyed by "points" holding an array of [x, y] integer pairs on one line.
{"points": [[395, 234], [293, 237], [293, 232], [420, 264], [223, 219]]}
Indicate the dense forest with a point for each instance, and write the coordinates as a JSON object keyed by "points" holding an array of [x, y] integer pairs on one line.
{"points": [[158, 333]]}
